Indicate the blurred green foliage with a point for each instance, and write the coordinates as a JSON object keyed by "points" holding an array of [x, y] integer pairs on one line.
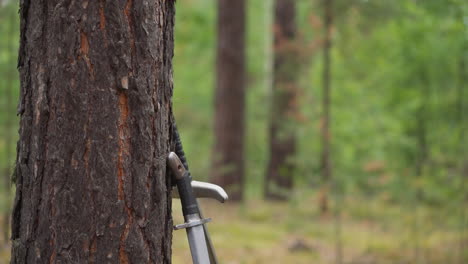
{"points": [[9, 91], [395, 64]]}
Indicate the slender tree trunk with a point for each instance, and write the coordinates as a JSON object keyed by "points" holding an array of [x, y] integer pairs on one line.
{"points": [[421, 133], [461, 90], [229, 123], [462, 241], [268, 14], [279, 178], [326, 160], [339, 255], [96, 85], [461, 113], [421, 160]]}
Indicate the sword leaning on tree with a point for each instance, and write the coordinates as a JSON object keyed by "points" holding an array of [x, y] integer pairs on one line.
{"points": [[188, 191]]}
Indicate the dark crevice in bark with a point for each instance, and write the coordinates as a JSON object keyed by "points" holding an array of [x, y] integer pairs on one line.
{"points": [[131, 31], [124, 151], [92, 249], [44, 116]]}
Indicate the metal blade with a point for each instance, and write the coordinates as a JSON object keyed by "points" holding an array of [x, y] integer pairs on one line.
{"points": [[209, 244], [198, 245]]}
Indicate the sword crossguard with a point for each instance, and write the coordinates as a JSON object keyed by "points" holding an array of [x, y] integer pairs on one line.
{"points": [[192, 223], [205, 190]]}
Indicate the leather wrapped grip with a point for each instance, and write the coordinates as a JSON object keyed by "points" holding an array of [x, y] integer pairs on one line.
{"points": [[187, 197]]}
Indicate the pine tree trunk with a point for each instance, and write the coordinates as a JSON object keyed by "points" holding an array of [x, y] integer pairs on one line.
{"points": [[96, 87], [229, 123], [326, 162], [279, 178]]}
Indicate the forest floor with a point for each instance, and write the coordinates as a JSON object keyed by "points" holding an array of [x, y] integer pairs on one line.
{"points": [[371, 231]]}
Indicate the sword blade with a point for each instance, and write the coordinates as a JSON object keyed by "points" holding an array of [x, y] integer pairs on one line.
{"points": [[198, 247], [211, 250]]}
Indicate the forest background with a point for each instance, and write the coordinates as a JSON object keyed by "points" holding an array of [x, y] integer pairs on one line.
{"points": [[399, 117]]}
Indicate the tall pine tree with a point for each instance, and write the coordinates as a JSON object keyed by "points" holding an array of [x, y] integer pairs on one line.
{"points": [[229, 121], [95, 107]]}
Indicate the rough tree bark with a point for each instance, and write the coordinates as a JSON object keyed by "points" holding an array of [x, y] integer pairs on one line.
{"points": [[326, 162], [95, 107], [228, 151], [280, 172]]}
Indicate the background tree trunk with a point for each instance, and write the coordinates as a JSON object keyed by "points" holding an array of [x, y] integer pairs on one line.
{"points": [[280, 172], [326, 162], [229, 123], [9, 145], [96, 85]]}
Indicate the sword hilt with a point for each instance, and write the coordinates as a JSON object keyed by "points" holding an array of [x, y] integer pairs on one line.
{"points": [[188, 191], [183, 181]]}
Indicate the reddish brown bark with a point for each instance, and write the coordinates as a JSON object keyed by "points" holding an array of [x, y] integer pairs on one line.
{"points": [[96, 85], [280, 173], [229, 123]]}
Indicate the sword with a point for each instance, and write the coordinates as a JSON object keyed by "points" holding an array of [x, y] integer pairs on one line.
{"points": [[201, 247]]}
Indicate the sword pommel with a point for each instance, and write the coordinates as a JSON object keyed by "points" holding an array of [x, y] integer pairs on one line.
{"points": [[176, 166]]}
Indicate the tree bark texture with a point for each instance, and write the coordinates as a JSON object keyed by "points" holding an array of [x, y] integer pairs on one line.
{"points": [[229, 123], [279, 178], [326, 160], [95, 108]]}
